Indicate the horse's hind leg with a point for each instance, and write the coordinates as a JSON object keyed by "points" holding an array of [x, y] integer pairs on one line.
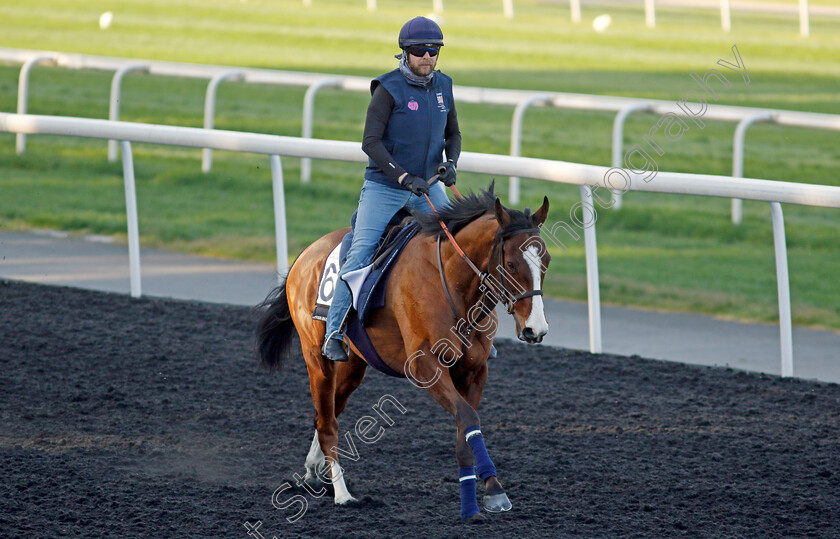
{"points": [[322, 384], [348, 377]]}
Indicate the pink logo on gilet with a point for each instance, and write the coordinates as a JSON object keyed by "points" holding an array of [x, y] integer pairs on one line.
{"points": [[413, 105]]}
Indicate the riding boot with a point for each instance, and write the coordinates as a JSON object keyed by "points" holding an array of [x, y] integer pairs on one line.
{"points": [[334, 348]]}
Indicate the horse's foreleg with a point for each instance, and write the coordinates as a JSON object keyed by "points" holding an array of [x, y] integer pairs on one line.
{"points": [[470, 386], [470, 451], [466, 477]]}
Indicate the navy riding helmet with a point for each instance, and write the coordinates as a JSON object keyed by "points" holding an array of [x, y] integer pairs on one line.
{"points": [[420, 30]]}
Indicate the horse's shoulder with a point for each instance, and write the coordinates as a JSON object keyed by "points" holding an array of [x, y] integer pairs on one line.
{"points": [[419, 248]]}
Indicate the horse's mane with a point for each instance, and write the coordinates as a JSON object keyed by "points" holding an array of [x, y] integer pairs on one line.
{"points": [[463, 211]]}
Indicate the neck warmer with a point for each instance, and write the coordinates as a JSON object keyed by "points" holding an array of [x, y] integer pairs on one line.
{"points": [[409, 74]]}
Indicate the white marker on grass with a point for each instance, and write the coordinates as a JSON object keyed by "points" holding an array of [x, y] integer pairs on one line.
{"points": [[105, 20], [601, 23]]}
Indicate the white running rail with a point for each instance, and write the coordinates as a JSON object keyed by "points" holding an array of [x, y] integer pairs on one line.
{"points": [[465, 94], [589, 177]]}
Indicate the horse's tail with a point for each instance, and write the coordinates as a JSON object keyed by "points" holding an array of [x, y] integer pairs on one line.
{"points": [[275, 329]]}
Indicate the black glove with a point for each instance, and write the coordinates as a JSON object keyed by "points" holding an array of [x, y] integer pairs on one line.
{"points": [[446, 172], [415, 184]]}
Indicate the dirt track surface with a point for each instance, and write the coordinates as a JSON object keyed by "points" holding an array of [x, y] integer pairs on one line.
{"points": [[150, 418]]}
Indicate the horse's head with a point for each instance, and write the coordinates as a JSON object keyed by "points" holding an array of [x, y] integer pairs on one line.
{"points": [[519, 261]]}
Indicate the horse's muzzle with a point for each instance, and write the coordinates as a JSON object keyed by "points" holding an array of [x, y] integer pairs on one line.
{"points": [[530, 337]]}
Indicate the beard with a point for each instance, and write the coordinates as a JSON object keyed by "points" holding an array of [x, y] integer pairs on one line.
{"points": [[422, 68]]}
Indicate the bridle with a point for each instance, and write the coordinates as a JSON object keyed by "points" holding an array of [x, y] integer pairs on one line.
{"points": [[493, 291], [508, 299]]}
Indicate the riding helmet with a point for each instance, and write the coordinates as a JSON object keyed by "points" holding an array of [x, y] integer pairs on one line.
{"points": [[420, 30]]}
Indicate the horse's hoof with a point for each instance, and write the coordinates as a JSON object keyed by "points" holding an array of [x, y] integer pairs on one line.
{"points": [[347, 502], [315, 483], [497, 503], [477, 518]]}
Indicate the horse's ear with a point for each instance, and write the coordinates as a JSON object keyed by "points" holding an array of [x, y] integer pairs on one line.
{"points": [[541, 214], [501, 214]]}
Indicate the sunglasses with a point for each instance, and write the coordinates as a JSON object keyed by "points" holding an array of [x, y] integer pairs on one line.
{"points": [[421, 50]]}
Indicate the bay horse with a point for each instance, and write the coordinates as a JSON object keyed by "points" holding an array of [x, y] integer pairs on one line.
{"points": [[436, 327]]}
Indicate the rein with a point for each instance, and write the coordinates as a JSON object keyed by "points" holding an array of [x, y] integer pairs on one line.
{"points": [[490, 288], [445, 229]]}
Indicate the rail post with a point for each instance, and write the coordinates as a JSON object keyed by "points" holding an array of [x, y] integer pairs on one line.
{"points": [[114, 108], [23, 95], [131, 218], [507, 8], [650, 14], [516, 139], [308, 114], [575, 7], [210, 111], [725, 16], [738, 158], [279, 218], [618, 142], [783, 285], [592, 286], [804, 24]]}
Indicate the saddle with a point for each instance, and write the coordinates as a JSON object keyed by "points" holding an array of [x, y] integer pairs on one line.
{"points": [[367, 285], [386, 243], [329, 273]]}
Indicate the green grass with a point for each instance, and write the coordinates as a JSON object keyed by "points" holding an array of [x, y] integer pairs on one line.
{"points": [[660, 251]]}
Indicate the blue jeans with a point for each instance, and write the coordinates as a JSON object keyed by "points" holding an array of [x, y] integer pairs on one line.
{"points": [[377, 204]]}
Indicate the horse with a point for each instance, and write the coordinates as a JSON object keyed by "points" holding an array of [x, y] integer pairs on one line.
{"points": [[436, 327]]}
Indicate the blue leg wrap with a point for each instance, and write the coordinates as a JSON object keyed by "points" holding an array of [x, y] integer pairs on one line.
{"points": [[469, 502], [484, 467]]}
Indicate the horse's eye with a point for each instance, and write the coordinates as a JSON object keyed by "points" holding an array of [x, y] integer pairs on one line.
{"points": [[511, 266]]}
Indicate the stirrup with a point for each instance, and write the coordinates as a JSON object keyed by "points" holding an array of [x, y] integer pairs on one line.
{"points": [[333, 348], [493, 351]]}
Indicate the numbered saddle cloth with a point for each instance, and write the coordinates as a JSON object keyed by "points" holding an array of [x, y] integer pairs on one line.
{"points": [[367, 286]]}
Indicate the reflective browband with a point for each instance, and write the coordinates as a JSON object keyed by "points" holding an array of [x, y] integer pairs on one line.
{"points": [[509, 233]]}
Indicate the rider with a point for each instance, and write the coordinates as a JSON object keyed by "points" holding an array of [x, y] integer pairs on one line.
{"points": [[411, 122]]}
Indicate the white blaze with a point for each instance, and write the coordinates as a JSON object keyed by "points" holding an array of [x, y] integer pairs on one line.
{"points": [[536, 320]]}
